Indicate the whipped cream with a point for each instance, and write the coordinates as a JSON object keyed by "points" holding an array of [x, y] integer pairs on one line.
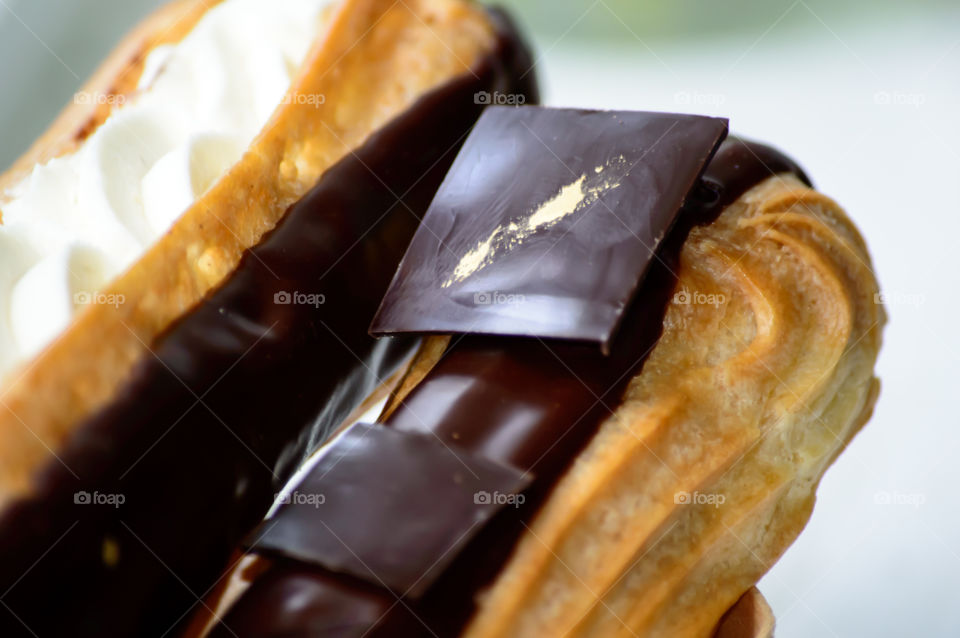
{"points": [[78, 221]]}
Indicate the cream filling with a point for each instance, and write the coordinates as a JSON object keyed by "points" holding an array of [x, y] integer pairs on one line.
{"points": [[78, 221]]}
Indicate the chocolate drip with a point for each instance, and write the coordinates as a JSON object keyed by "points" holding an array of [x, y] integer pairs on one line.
{"points": [[523, 402], [237, 392]]}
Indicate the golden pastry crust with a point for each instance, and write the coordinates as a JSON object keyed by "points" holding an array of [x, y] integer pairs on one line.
{"points": [[750, 617], [755, 386], [375, 59]]}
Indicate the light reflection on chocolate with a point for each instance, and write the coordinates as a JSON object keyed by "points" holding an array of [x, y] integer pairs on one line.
{"points": [[534, 191], [516, 401], [273, 379]]}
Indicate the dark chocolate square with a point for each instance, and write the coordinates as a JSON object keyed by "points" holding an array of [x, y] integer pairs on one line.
{"points": [[547, 222], [390, 507]]}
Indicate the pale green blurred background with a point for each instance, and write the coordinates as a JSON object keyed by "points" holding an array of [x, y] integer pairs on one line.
{"points": [[658, 21], [866, 95], [48, 46]]}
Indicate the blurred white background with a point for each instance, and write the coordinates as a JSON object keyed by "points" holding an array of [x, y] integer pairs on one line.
{"points": [[867, 98]]}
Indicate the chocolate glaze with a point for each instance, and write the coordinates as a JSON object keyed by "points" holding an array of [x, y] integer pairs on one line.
{"points": [[523, 402], [431, 515], [272, 380]]}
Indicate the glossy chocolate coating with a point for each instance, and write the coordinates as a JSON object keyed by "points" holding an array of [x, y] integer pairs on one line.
{"points": [[239, 391], [431, 515], [524, 402], [493, 253]]}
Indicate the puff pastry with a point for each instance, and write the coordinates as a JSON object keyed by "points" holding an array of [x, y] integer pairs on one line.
{"points": [[369, 75], [639, 503], [133, 457], [707, 471]]}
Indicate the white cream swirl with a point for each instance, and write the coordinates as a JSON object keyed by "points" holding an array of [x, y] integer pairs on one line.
{"points": [[78, 221]]}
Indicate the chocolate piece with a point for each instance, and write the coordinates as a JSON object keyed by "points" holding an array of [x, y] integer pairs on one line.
{"points": [[556, 252], [524, 402], [432, 499], [197, 475]]}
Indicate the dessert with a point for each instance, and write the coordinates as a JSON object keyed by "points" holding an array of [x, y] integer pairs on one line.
{"points": [[190, 267], [636, 482]]}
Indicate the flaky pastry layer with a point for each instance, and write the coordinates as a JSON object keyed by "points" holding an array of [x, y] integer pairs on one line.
{"points": [[707, 470], [375, 59]]}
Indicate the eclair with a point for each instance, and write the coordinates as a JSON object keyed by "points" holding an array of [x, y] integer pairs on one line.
{"points": [[189, 259], [649, 341]]}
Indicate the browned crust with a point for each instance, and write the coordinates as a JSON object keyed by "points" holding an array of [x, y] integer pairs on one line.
{"points": [[752, 400], [749, 399], [375, 59], [750, 617]]}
